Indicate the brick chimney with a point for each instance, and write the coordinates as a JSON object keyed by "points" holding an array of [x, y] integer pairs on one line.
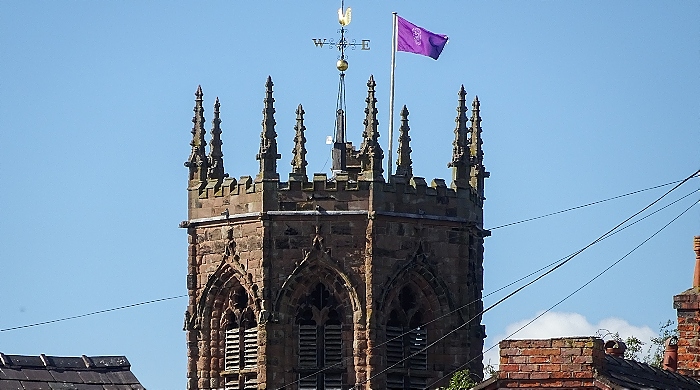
{"points": [[562, 362], [687, 304]]}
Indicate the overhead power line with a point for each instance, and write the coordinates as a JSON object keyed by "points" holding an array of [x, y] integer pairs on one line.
{"points": [[536, 279], [558, 264], [491, 293], [93, 313], [605, 236], [573, 292], [564, 258], [587, 204]]}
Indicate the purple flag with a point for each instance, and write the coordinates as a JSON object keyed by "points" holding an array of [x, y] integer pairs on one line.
{"points": [[414, 39]]}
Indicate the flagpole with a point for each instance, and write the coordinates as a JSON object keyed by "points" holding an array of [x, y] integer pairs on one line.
{"points": [[391, 96]]}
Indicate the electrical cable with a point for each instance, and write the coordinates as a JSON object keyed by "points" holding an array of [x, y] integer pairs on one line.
{"points": [[563, 258], [559, 263], [573, 292], [534, 280], [92, 313], [585, 205], [452, 312]]}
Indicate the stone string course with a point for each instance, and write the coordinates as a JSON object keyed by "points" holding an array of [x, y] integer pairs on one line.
{"points": [[363, 237]]}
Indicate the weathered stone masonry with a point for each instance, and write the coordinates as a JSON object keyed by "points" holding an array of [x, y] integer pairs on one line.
{"points": [[349, 275]]}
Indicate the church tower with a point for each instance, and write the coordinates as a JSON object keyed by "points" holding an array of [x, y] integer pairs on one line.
{"points": [[357, 281]]}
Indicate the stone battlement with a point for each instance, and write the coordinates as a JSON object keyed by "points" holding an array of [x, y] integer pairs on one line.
{"points": [[286, 267], [359, 185], [320, 194]]}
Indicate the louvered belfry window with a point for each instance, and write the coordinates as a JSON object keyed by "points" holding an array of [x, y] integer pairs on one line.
{"points": [[241, 345], [319, 341], [406, 340]]}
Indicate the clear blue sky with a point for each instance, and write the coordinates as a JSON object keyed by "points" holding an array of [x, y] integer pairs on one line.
{"points": [[581, 100]]}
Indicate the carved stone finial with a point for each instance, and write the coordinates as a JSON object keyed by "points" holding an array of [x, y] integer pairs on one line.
{"points": [[268, 155], [317, 241], [460, 148], [403, 163], [299, 151], [371, 153], [216, 156], [477, 172], [197, 162]]}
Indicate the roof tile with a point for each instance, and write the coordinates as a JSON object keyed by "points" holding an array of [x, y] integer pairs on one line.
{"points": [[35, 374], [67, 376], [10, 385], [19, 372], [122, 377], [12, 373], [35, 385]]}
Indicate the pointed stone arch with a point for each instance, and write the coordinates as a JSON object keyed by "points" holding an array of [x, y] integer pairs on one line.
{"points": [[219, 286], [418, 272], [229, 295], [317, 266]]}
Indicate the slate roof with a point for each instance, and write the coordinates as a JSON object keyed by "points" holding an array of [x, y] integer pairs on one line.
{"points": [[629, 374], [18, 372]]}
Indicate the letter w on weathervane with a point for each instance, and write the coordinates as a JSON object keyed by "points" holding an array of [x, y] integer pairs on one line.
{"points": [[319, 42]]}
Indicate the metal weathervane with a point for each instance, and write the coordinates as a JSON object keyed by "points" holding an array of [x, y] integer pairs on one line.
{"points": [[344, 17]]}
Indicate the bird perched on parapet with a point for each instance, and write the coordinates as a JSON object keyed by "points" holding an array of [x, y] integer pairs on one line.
{"points": [[344, 20]]}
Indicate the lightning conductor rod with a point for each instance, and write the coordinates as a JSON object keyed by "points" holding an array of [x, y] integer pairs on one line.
{"points": [[391, 95]]}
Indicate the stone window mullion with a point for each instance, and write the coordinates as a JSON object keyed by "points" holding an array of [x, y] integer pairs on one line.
{"points": [[319, 341]]}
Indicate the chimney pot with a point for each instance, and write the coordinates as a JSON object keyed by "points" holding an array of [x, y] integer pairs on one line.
{"points": [[615, 348], [670, 362]]}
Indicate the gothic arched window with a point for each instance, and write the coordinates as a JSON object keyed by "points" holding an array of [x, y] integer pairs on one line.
{"points": [[241, 344], [406, 340], [320, 344]]}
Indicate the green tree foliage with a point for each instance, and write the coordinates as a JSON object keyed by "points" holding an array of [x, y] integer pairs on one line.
{"points": [[461, 380], [634, 348], [654, 355], [656, 350]]}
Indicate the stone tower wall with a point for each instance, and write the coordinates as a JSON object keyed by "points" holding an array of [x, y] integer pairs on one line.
{"points": [[258, 246]]}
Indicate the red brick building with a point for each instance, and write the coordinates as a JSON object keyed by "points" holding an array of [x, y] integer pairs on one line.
{"points": [[582, 363], [318, 283], [687, 304]]}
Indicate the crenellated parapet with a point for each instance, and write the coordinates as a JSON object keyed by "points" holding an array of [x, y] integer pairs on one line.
{"points": [[284, 268], [361, 187]]}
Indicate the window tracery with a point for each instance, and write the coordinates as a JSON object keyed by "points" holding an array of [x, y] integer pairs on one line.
{"points": [[406, 340], [241, 343], [319, 341]]}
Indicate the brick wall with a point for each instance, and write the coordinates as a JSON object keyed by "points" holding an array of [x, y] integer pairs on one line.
{"points": [[687, 305], [553, 363]]}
